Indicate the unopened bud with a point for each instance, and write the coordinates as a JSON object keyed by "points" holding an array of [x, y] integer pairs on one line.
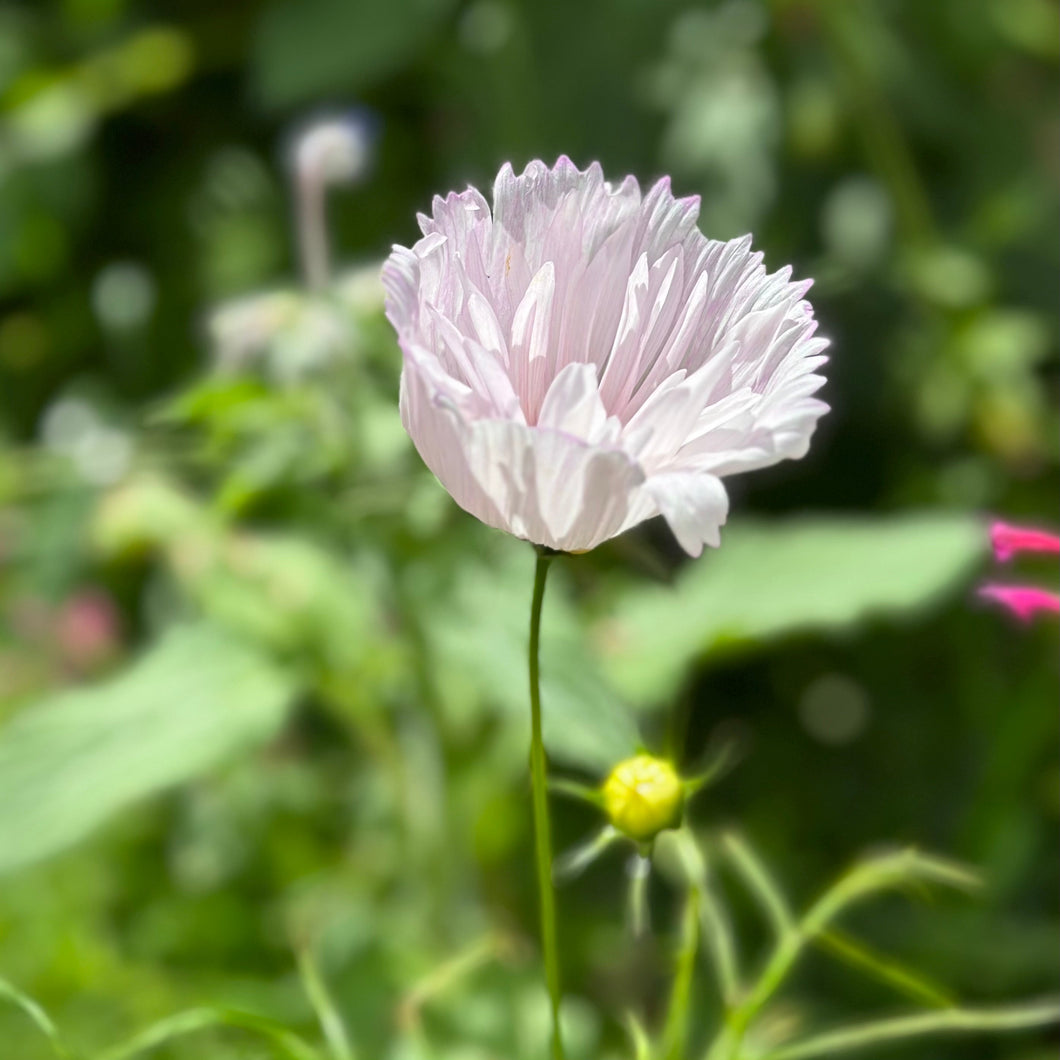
{"points": [[643, 796], [334, 150]]}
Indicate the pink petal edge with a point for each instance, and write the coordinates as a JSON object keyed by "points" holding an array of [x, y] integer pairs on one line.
{"points": [[1023, 601], [1008, 540]]}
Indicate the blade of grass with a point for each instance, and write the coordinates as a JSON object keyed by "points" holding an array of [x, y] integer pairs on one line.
{"points": [[638, 1037], [447, 975], [912, 984], [847, 1039], [331, 1022], [213, 1017], [37, 1016], [714, 920], [675, 1034], [760, 882]]}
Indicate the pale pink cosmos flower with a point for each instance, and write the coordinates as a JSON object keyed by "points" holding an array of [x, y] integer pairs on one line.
{"points": [[580, 358], [1024, 601]]}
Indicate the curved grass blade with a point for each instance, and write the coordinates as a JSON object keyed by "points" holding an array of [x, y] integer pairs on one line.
{"points": [[331, 1022], [193, 1020], [914, 985], [849, 1039], [37, 1016]]}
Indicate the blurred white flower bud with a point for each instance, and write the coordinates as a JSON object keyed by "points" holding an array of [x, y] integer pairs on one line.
{"points": [[335, 150], [327, 150]]}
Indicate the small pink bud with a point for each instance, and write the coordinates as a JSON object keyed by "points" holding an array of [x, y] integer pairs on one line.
{"points": [[1023, 601], [1008, 540]]}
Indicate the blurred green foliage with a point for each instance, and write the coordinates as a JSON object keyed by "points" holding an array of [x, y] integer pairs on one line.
{"points": [[262, 698]]}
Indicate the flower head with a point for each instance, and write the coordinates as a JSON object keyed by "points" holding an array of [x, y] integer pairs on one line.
{"points": [[579, 357]]}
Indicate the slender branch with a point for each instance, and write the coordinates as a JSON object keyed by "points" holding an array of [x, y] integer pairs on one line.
{"points": [[542, 825], [948, 1020], [914, 985], [714, 921], [445, 976], [865, 878], [331, 1023], [761, 883]]}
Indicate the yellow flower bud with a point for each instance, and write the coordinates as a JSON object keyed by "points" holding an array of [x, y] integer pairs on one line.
{"points": [[643, 796]]}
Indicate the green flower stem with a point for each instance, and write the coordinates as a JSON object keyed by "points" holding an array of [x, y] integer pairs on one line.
{"points": [[675, 1036], [542, 826], [714, 920]]}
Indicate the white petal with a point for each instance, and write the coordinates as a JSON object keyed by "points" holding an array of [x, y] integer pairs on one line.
{"points": [[531, 330], [694, 504], [573, 404], [550, 488]]}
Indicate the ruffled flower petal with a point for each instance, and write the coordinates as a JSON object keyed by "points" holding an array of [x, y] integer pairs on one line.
{"points": [[579, 357]]}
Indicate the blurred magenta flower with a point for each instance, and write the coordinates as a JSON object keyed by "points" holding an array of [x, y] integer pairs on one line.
{"points": [[1023, 601], [1008, 540], [581, 358]]}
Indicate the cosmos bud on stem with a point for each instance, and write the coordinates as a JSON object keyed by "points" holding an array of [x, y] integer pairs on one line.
{"points": [[643, 796]]}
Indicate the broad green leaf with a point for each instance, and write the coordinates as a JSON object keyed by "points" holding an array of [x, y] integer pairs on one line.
{"points": [[479, 646], [76, 758], [768, 580]]}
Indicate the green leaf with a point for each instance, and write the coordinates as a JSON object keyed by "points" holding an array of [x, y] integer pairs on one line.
{"points": [[768, 580], [76, 758], [479, 647]]}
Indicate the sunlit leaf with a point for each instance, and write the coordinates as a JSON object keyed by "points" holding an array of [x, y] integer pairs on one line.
{"points": [[770, 580], [480, 643], [76, 758]]}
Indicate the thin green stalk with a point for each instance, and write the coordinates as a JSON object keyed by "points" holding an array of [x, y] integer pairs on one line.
{"points": [[331, 1023], [866, 878], [714, 921], [914, 985], [446, 976], [675, 1035], [208, 1018], [761, 883], [37, 1015], [542, 825]]}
